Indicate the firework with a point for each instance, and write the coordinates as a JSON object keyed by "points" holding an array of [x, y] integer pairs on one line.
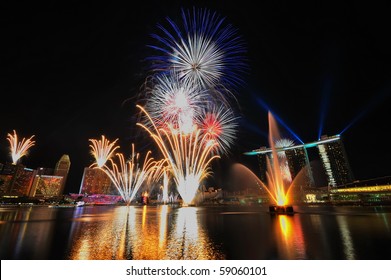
{"points": [[102, 150], [165, 186], [172, 101], [157, 172], [220, 125], [285, 171], [283, 143], [129, 175], [193, 69], [19, 149], [188, 156], [278, 174], [206, 50]]}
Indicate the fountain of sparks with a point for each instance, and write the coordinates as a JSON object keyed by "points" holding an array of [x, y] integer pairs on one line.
{"points": [[19, 149], [188, 155], [193, 69], [102, 150], [129, 175], [163, 197], [165, 187]]}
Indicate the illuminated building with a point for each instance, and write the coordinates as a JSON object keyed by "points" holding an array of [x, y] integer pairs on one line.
{"points": [[95, 181], [297, 160], [335, 161], [16, 179], [97, 188], [62, 169], [47, 186], [330, 152], [298, 163], [19, 181]]}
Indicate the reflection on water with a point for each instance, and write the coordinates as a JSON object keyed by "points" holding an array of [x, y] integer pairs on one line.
{"points": [[96, 235], [289, 237], [26, 231], [141, 233], [348, 247], [163, 226], [192, 233], [386, 220], [189, 240]]}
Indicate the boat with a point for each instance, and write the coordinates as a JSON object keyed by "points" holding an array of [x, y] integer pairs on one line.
{"points": [[281, 209], [80, 203]]}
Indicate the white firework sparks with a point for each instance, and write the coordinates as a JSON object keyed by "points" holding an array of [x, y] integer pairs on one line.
{"points": [[284, 167], [206, 51], [129, 176], [188, 156], [220, 123], [19, 149], [172, 101], [283, 143], [102, 150]]}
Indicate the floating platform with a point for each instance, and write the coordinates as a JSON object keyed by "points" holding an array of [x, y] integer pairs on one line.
{"points": [[284, 209]]}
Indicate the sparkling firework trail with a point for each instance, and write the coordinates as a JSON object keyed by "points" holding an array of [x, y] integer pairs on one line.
{"points": [[285, 171], [165, 186], [157, 172], [283, 143], [275, 176], [19, 149], [188, 155], [220, 125], [172, 101], [102, 150], [129, 176]]}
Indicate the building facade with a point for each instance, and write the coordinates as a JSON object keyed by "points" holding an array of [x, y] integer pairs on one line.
{"points": [[95, 181], [335, 163], [62, 169], [330, 152], [16, 180]]}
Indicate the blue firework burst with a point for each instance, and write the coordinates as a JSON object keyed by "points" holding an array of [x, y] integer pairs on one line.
{"points": [[204, 50]]}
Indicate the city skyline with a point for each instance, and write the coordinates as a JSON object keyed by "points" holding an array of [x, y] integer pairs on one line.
{"points": [[325, 72]]}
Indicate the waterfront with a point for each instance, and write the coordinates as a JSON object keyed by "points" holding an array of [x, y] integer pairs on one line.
{"points": [[229, 232]]}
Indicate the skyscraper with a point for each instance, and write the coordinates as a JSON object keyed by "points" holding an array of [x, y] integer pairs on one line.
{"points": [[47, 186], [334, 160], [296, 163], [95, 181], [330, 152], [62, 169]]}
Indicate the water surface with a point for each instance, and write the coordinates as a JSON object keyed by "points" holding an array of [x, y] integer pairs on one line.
{"points": [[231, 232]]}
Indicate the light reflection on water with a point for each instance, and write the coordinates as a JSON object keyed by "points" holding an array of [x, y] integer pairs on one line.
{"points": [[289, 237], [348, 247], [191, 233], [142, 233]]}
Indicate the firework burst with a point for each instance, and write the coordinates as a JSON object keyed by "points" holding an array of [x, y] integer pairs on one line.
{"points": [[19, 149], [165, 186], [285, 171], [219, 123], [102, 150], [205, 51], [283, 143], [172, 101], [129, 175], [188, 156]]}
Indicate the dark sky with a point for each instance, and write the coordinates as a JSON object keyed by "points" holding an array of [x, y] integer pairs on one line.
{"points": [[70, 73]]}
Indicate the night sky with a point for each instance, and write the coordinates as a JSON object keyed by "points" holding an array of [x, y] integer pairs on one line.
{"points": [[70, 73]]}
